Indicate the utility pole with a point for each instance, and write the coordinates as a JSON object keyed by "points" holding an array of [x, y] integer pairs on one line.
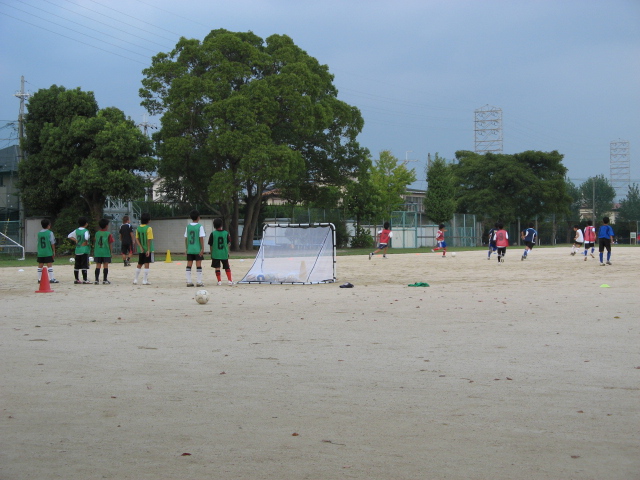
{"points": [[146, 125], [22, 95]]}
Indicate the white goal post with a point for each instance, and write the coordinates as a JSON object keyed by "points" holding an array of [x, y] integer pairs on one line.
{"points": [[9, 243], [295, 254]]}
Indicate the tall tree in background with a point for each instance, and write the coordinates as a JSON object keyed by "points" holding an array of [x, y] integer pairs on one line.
{"points": [[75, 151], [439, 201], [390, 178], [240, 115], [629, 210], [507, 187], [598, 195]]}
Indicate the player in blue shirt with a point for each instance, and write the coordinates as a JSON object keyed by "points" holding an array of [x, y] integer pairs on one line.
{"points": [[605, 239], [529, 236], [492, 244]]}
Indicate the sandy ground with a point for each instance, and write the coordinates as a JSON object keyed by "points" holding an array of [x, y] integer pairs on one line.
{"points": [[525, 370]]}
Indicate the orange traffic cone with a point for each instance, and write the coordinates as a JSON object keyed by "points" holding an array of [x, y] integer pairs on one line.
{"points": [[45, 286]]}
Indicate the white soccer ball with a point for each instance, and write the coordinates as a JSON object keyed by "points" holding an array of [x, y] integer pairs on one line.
{"points": [[202, 297], [72, 260], [453, 254], [91, 259]]}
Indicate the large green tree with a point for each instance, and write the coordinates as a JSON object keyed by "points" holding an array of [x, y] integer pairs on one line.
{"points": [[597, 196], [240, 114], [629, 210], [75, 151], [391, 179], [439, 200], [505, 187]]}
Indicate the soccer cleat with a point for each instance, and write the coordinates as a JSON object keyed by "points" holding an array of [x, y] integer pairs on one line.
{"points": [[230, 283], [86, 282], [370, 255], [602, 264], [573, 253], [585, 259], [593, 256], [96, 282], [433, 249], [106, 282], [53, 280], [608, 262], [522, 257], [146, 283], [135, 282], [384, 256], [219, 283], [190, 285], [198, 284]]}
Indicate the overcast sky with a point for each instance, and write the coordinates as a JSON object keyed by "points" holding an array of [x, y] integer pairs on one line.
{"points": [[566, 74]]}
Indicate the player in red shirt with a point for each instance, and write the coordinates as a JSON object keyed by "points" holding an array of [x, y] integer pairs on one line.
{"points": [[442, 245], [385, 235]]}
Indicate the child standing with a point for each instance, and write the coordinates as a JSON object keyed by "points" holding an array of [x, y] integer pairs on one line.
{"points": [[578, 240], [81, 238], [46, 250], [492, 244], [605, 238], [589, 239], [127, 240], [220, 241], [501, 239], [529, 236], [442, 245], [102, 251], [144, 240], [383, 244], [194, 244]]}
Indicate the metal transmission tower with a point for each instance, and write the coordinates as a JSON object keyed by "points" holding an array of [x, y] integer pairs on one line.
{"points": [[488, 129], [146, 125], [620, 167]]}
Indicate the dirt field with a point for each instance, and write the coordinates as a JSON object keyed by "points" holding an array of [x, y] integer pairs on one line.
{"points": [[525, 370]]}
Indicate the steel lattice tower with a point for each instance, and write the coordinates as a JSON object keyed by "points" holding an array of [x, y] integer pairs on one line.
{"points": [[488, 129], [620, 167]]}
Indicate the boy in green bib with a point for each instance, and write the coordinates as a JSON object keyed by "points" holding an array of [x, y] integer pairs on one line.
{"points": [[220, 241], [81, 238], [144, 240], [102, 251], [194, 245], [46, 250]]}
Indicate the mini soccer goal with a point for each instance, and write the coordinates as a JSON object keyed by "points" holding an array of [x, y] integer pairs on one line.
{"points": [[9, 248], [295, 253]]}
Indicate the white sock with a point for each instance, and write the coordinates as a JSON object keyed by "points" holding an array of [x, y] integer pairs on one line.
{"points": [[188, 275], [137, 274], [199, 275], [50, 272], [145, 275]]}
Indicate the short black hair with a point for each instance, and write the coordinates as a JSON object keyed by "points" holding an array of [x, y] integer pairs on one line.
{"points": [[500, 225], [103, 223], [217, 223], [589, 222], [82, 221], [605, 220], [45, 222], [386, 225], [144, 218], [576, 226], [441, 225], [195, 214], [531, 224]]}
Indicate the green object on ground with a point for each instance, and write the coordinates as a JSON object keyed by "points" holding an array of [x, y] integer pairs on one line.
{"points": [[418, 284]]}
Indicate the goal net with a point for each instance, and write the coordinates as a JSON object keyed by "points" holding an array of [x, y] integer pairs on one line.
{"points": [[295, 253]]}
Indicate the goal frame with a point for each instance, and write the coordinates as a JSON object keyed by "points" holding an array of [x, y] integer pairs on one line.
{"points": [[260, 255]]}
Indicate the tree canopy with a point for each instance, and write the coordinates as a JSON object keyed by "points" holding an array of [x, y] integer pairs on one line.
{"points": [[505, 187], [391, 179], [629, 210], [597, 195], [74, 150], [240, 114]]}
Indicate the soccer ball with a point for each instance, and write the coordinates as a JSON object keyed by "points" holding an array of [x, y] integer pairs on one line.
{"points": [[453, 254], [202, 297], [72, 260], [91, 259]]}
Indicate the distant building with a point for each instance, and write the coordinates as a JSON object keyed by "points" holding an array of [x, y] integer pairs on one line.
{"points": [[9, 194]]}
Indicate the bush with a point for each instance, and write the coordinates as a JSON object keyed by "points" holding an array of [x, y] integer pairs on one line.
{"points": [[362, 238]]}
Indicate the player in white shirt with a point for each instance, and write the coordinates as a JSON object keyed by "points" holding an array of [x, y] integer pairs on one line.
{"points": [[578, 240]]}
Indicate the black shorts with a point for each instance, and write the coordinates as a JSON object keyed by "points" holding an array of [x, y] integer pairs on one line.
{"points": [[82, 262], [529, 245], [502, 251], [44, 259], [215, 263], [588, 245], [105, 260], [577, 243], [192, 257], [144, 259], [604, 243], [126, 249]]}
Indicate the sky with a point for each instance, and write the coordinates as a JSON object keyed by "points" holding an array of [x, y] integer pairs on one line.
{"points": [[565, 73]]}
